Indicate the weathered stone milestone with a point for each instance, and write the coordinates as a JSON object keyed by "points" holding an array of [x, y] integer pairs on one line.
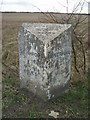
{"points": [[45, 58]]}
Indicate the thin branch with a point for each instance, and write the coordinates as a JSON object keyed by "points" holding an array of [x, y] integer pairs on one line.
{"points": [[75, 61], [82, 51]]}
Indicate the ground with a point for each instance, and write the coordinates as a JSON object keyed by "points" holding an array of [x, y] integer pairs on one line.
{"points": [[20, 104]]}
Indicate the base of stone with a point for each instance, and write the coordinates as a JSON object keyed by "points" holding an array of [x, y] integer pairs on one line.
{"points": [[55, 92]]}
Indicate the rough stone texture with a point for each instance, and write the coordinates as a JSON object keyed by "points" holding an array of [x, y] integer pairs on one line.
{"points": [[44, 58]]}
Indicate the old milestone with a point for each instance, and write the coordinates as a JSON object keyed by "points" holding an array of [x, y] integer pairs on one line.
{"points": [[45, 58]]}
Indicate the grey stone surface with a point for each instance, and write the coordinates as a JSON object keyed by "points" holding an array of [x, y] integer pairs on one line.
{"points": [[45, 58]]}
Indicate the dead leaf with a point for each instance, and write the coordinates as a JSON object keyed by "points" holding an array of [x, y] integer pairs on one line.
{"points": [[54, 114]]}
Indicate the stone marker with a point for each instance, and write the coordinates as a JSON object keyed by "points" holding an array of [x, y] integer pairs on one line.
{"points": [[45, 58]]}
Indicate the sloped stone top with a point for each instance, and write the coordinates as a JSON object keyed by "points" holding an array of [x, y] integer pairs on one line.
{"points": [[45, 31]]}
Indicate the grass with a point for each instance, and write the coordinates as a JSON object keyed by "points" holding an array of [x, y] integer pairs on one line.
{"points": [[80, 96], [9, 80], [32, 113], [11, 95], [74, 103]]}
